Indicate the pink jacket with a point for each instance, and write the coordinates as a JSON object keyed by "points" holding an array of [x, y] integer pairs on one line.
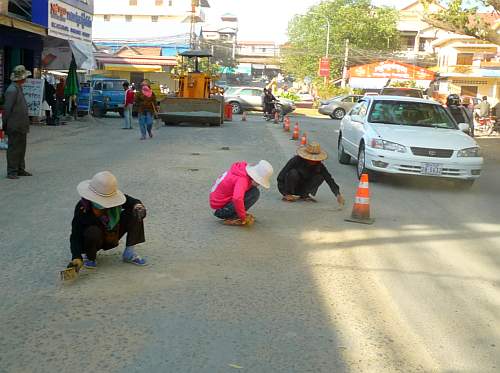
{"points": [[231, 186]]}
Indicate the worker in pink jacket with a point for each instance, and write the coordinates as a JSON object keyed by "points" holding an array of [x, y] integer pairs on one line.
{"points": [[236, 190]]}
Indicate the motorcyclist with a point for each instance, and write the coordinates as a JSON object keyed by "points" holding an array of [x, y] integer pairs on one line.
{"points": [[458, 112]]}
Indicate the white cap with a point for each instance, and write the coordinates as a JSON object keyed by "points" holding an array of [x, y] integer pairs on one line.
{"points": [[261, 173]]}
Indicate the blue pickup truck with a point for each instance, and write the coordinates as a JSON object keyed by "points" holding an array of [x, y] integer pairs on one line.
{"points": [[107, 95]]}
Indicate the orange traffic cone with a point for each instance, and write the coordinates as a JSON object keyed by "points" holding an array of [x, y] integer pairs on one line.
{"points": [[296, 135], [361, 209], [287, 124], [244, 117], [303, 139], [276, 117]]}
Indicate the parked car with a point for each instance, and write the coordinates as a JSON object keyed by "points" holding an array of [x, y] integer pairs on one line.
{"points": [[403, 135], [401, 91], [250, 98], [107, 95], [338, 106]]}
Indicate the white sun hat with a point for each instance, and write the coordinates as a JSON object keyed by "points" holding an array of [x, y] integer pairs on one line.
{"points": [[261, 173], [102, 189]]}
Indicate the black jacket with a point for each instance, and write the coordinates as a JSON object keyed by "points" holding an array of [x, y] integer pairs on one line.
{"points": [[307, 171], [84, 218]]}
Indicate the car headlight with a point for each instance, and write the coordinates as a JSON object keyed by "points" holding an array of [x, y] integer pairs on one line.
{"points": [[470, 152], [388, 145]]}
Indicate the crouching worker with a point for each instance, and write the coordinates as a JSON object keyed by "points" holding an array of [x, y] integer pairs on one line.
{"points": [[236, 191], [303, 175], [102, 217]]}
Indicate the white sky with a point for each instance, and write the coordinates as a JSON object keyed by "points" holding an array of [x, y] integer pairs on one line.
{"points": [[268, 19]]}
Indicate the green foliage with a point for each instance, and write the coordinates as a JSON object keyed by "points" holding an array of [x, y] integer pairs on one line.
{"points": [[326, 91], [291, 96], [404, 84], [460, 16], [366, 27]]}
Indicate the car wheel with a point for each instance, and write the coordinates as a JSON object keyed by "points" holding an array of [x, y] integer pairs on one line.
{"points": [[338, 113], [236, 107], [343, 157], [361, 166]]}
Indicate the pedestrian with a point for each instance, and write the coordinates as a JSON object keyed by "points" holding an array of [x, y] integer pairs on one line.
{"points": [[459, 112], [101, 218], [484, 108], [129, 104], [146, 107], [49, 96], [302, 176], [236, 191], [16, 123], [60, 98]]}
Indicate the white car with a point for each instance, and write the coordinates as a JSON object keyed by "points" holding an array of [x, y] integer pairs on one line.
{"points": [[403, 135]]}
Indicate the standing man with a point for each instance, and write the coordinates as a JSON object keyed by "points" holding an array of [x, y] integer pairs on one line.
{"points": [[127, 109], [484, 108], [303, 175], [60, 98], [16, 123]]}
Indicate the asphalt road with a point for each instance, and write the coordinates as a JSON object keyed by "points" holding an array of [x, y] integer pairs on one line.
{"points": [[301, 291]]}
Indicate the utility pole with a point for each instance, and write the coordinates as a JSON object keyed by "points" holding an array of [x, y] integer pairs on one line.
{"points": [[346, 61], [327, 44]]}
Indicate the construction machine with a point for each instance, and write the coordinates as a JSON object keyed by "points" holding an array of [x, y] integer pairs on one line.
{"points": [[197, 99]]}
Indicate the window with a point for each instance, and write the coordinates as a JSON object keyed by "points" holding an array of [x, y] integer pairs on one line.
{"points": [[468, 90], [363, 109], [107, 18], [132, 2], [158, 2], [128, 18], [247, 92], [465, 59], [170, 2], [348, 99], [264, 50], [154, 18]]}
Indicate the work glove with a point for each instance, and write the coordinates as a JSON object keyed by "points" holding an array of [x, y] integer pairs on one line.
{"points": [[71, 271], [139, 211], [341, 200], [77, 264], [249, 220]]}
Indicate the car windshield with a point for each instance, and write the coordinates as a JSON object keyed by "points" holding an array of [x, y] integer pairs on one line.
{"points": [[402, 92], [406, 113], [231, 90], [112, 85]]}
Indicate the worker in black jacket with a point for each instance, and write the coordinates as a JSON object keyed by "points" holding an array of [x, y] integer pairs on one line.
{"points": [[102, 217], [459, 113], [304, 174]]}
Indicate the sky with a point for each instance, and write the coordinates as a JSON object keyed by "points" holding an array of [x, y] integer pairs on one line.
{"points": [[268, 19]]}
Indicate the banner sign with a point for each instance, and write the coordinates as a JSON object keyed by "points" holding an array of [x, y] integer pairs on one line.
{"points": [[324, 67], [391, 70], [68, 22], [33, 93]]}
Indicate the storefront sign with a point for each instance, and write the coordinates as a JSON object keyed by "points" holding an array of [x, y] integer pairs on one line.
{"points": [[324, 67], [391, 70], [68, 22], [33, 93]]}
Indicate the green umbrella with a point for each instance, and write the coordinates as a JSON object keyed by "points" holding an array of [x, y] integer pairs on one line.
{"points": [[72, 87]]}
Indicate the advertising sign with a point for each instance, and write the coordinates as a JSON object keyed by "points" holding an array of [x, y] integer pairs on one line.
{"points": [[324, 67], [33, 93], [391, 70], [68, 22]]}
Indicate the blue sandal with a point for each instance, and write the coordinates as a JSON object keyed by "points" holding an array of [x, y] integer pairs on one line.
{"points": [[135, 259]]}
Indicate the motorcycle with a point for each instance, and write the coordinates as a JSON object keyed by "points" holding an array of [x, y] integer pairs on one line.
{"points": [[277, 108], [485, 126]]}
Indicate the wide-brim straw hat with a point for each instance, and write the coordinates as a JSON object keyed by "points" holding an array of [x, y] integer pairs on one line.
{"points": [[312, 152], [103, 190], [261, 173], [19, 73]]}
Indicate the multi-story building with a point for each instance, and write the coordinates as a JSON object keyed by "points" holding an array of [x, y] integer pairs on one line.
{"points": [[261, 57], [142, 19], [468, 67]]}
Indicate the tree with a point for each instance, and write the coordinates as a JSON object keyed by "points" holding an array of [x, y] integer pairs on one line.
{"points": [[368, 28], [460, 16]]}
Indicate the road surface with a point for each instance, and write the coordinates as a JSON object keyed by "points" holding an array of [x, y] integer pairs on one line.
{"points": [[301, 291]]}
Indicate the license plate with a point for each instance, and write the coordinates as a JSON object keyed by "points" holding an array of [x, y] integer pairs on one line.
{"points": [[432, 169]]}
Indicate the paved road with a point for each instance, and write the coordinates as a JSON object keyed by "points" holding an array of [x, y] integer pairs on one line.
{"points": [[301, 291]]}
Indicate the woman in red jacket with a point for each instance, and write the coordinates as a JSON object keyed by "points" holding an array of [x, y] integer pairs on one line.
{"points": [[235, 191]]}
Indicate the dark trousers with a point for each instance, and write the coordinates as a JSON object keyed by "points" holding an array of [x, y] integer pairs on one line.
{"points": [[16, 152], [229, 212], [94, 237], [296, 185]]}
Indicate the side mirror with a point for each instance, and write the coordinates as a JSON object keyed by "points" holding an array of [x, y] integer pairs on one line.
{"points": [[356, 118], [464, 127]]}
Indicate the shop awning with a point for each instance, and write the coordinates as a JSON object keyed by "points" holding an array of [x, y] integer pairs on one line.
{"points": [[132, 68]]}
